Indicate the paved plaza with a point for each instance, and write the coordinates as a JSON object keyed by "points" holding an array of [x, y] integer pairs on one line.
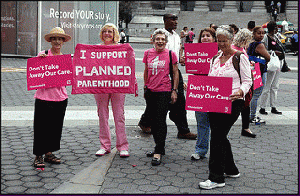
{"points": [[268, 164]]}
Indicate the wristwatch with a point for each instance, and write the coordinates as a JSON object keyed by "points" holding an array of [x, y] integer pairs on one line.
{"points": [[176, 90]]}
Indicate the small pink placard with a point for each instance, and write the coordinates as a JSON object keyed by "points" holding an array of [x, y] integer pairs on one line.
{"points": [[198, 56], [257, 77], [103, 69], [50, 71], [209, 94]]}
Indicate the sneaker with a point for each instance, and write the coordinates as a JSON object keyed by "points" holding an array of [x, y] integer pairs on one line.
{"points": [[263, 111], [101, 152], [189, 136], [124, 153], [232, 176], [210, 185], [196, 156], [257, 120]]}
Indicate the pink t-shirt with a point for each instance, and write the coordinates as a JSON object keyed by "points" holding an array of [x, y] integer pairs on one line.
{"points": [[158, 69], [51, 94]]}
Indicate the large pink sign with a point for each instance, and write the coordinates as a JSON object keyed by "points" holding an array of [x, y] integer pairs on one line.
{"points": [[103, 69], [50, 71], [198, 56], [209, 94], [257, 77]]}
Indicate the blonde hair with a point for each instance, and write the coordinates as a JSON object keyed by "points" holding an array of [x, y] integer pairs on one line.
{"points": [[115, 29], [243, 38]]}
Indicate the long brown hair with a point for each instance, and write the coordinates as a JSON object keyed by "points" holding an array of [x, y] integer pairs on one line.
{"points": [[210, 30]]}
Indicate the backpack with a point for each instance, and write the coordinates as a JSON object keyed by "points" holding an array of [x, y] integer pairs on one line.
{"points": [[236, 65], [187, 38], [180, 83]]}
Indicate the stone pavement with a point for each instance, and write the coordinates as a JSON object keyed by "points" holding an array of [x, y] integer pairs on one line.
{"points": [[268, 163]]}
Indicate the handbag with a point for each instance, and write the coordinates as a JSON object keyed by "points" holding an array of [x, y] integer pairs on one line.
{"points": [[285, 68], [274, 63]]}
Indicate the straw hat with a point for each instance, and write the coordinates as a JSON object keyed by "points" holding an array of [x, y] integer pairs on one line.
{"points": [[57, 32]]}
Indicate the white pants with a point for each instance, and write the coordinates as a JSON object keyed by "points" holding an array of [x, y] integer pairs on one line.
{"points": [[271, 87]]}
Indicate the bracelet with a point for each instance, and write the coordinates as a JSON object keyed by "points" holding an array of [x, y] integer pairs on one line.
{"points": [[176, 90]]}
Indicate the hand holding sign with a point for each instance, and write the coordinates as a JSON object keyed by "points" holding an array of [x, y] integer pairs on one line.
{"points": [[50, 71], [209, 94], [103, 69]]}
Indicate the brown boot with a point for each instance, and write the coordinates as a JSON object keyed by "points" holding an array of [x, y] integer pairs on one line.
{"points": [[189, 136], [145, 129]]}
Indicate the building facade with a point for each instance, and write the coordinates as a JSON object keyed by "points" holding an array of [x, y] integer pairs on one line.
{"points": [[24, 23], [147, 15]]}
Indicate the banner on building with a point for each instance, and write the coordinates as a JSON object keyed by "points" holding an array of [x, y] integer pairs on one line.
{"points": [[103, 69], [198, 56], [50, 71], [209, 94]]}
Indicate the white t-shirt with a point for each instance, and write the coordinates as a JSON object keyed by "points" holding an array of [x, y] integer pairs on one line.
{"points": [[173, 42]]}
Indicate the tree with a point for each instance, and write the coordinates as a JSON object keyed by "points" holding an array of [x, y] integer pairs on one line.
{"points": [[125, 12]]}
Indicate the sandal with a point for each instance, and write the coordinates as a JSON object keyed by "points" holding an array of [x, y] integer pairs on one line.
{"points": [[51, 158], [39, 162]]}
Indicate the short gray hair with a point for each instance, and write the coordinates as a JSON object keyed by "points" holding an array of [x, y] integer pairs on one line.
{"points": [[225, 30], [243, 38], [159, 31]]}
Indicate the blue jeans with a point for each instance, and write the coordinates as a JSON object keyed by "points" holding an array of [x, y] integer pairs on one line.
{"points": [[256, 94], [203, 129]]}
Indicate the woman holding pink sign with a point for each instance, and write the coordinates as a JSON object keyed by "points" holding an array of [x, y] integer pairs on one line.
{"points": [[207, 35], [221, 162], [109, 35], [50, 108]]}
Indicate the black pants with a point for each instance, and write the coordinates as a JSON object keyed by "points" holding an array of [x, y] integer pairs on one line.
{"points": [[177, 111], [221, 157], [245, 117], [47, 125], [158, 103]]}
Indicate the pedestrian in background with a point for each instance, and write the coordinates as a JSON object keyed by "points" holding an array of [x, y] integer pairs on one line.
{"points": [[109, 35], [279, 7], [275, 14], [50, 108], [258, 53], [241, 41], [234, 28], [295, 43], [190, 36], [122, 36], [272, 84], [207, 35], [251, 25], [213, 26], [221, 162], [184, 32], [159, 89], [177, 111]]}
